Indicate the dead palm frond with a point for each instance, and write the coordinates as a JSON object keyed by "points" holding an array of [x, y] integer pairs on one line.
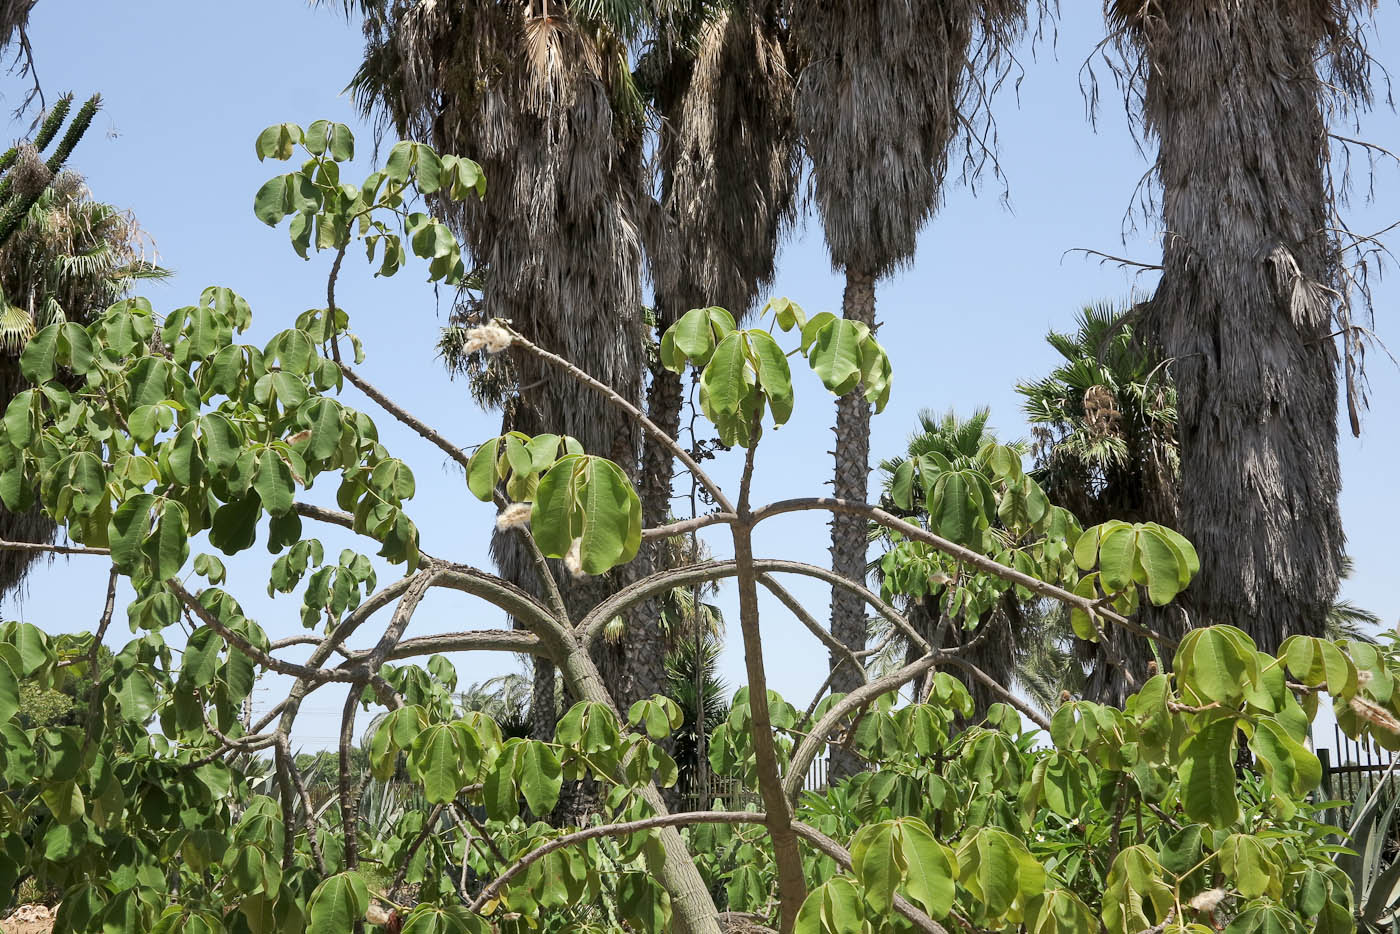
{"points": [[1254, 288]]}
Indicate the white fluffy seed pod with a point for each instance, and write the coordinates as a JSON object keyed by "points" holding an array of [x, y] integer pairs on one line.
{"points": [[514, 516], [574, 559]]}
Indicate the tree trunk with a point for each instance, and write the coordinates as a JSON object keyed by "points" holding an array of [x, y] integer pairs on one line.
{"points": [[849, 537], [31, 525], [693, 909], [1243, 309], [544, 710]]}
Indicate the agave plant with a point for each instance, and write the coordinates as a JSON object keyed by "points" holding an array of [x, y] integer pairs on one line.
{"points": [[1372, 863]]}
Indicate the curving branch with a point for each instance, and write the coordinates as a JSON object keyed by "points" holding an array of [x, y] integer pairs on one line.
{"points": [[812, 743], [813, 836], [474, 640], [686, 526], [707, 571], [965, 555], [313, 675]]}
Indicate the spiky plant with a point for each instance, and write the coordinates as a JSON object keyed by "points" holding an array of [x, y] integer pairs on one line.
{"points": [[1238, 98], [886, 89]]}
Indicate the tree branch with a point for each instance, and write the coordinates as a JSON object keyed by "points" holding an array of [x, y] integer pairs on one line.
{"points": [[966, 555]]}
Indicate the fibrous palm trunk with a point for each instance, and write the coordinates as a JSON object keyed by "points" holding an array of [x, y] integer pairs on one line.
{"points": [[30, 525], [850, 539], [1244, 306]]}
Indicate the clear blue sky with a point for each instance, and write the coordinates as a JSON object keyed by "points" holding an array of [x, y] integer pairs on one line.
{"points": [[188, 86]]}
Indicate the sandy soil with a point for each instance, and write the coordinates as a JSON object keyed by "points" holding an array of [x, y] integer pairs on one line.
{"points": [[28, 919]]}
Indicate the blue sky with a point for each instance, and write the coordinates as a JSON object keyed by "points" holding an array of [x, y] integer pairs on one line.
{"points": [[189, 85]]}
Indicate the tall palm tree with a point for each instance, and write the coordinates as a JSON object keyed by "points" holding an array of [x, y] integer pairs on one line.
{"points": [[994, 637], [1104, 425], [69, 258], [1238, 97], [727, 159], [540, 94], [887, 88]]}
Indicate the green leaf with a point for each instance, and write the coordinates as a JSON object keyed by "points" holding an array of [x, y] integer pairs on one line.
{"points": [[127, 530], [1245, 860], [541, 777], [724, 377], [481, 471], [877, 861], [612, 518], [931, 867], [39, 359], [274, 483], [832, 908], [1117, 553], [338, 903], [773, 374], [278, 141], [270, 204], [168, 546], [9, 691], [693, 337], [136, 696], [1162, 564], [436, 919], [835, 355], [1207, 772], [1216, 663], [442, 756]]}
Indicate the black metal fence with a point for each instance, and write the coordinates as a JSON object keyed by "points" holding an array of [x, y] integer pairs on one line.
{"points": [[1352, 770]]}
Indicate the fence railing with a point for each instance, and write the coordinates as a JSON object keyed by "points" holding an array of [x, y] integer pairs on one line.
{"points": [[1351, 770], [733, 795]]}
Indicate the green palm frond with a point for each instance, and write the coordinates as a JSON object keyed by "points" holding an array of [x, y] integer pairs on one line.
{"points": [[16, 327]]}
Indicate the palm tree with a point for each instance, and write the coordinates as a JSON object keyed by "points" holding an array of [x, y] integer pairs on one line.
{"points": [[540, 94], [727, 156], [69, 258], [695, 685], [1238, 97], [886, 89], [1104, 424], [994, 637]]}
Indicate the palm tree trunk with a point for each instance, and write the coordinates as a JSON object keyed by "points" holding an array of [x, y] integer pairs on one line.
{"points": [[1244, 306], [31, 525], [849, 536]]}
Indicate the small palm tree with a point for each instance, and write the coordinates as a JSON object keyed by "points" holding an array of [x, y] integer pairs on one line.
{"points": [[69, 258], [692, 672], [1105, 447], [998, 632], [1104, 422]]}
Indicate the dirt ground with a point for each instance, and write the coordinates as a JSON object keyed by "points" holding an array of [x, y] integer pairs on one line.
{"points": [[28, 919]]}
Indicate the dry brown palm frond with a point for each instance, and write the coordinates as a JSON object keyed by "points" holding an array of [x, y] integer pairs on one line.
{"points": [[729, 162], [886, 90], [1239, 98]]}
